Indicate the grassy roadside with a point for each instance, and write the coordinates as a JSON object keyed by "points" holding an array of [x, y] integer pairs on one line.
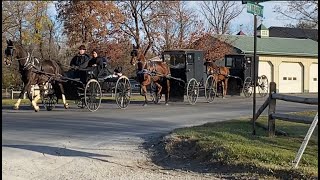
{"points": [[27, 102], [232, 145]]}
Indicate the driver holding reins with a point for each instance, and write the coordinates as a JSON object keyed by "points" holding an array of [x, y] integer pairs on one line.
{"points": [[80, 61]]}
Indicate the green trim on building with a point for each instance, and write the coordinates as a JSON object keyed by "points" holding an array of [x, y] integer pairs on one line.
{"points": [[273, 45]]}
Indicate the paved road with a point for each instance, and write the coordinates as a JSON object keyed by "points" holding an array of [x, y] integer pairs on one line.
{"points": [[107, 144]]}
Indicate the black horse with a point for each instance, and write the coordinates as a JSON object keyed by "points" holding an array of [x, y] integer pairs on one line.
{"points": [[32, 74]]}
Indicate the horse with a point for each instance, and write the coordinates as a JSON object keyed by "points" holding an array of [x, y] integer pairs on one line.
{"points": [[150, 71], [220, 74], [32, 74]]}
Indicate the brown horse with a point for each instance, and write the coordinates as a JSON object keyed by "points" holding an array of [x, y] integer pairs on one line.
{"points": [[150, 71], [32, 74], [220, 74]]}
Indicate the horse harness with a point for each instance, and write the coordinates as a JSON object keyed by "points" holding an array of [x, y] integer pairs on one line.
{"points": [[30, 63]]}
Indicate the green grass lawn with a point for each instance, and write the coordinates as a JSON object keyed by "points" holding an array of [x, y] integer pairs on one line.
{"points": [[232, 143]]}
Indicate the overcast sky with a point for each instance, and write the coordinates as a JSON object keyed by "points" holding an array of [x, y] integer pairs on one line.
{"points": [[245, 19]]}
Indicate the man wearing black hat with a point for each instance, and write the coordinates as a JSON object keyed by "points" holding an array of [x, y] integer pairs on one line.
{"points": [[80, 61]]}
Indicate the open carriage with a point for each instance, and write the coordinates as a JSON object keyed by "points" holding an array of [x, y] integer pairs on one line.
{"points": [[88, 91]]}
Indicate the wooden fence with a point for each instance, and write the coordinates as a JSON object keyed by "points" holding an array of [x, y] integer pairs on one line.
{"points": [[272, 115]]}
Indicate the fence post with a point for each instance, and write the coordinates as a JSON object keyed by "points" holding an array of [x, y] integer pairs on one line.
{"points": [[272, 109]]}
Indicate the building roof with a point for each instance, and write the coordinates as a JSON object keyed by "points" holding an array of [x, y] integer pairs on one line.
{"points": [[241, 33], [299, 33], [273, 45], [262, 27]]}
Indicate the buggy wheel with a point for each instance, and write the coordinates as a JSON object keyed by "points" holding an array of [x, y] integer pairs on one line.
{"points": [[192, 91], [263, 85], [210, 89], [247, 87], [92, 95], [123, 92], [49, 98]]}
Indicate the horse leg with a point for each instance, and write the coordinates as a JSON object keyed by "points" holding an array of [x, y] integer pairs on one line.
{"points": [[144, 92], [35, 100], [17, 104], [223, 89], [159, 89], [168, 93], [65, 104]]}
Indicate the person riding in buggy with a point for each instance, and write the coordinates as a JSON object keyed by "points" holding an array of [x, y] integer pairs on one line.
{"points": [[99, 67], [77, 64], [84, 67]]}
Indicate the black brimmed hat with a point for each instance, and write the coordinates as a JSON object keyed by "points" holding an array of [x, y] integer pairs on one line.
{"points": [[82, 47]]}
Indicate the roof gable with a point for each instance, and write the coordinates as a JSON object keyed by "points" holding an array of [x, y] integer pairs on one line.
{"points": [[262, 27]]}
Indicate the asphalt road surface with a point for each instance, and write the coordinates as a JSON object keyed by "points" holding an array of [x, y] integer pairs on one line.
{"points": [[107, 144]]}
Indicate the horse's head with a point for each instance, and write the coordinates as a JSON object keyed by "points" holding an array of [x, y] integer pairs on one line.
{"points": [[9, 53], [212, 68], [14, 51], [136, 55]]}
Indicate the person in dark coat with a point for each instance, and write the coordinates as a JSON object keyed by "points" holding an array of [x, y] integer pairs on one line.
{"points": [[81, 59], [78, 62], [97, 63]]}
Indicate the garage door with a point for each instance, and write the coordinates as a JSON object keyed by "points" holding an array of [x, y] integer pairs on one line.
{"points": [[313, 80], [290, 78]]}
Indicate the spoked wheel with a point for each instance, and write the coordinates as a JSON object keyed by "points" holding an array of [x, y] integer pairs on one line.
{"points": [[49, 98], [210, 89], [247, 87], [192, 91], [123, 92], [92, 95], [263, 85], [154, 93]]}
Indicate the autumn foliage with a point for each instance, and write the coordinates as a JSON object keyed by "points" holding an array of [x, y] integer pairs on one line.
{"points": [[214, 48]]}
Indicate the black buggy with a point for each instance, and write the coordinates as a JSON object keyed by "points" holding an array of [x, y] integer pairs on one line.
{"points": [[88, 93], [241, 67], [187, 67]]}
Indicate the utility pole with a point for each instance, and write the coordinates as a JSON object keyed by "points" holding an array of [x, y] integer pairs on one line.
{"points": [[254, 75], [254, 8]]}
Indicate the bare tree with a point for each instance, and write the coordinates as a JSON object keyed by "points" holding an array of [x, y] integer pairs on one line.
{"points": [[139, 18], [304, 12], [219, 14]]}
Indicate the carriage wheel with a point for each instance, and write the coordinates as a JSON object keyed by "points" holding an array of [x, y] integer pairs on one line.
{"points": [[92, 95], [247, 87], [263, 85], [49, 98], [154, 93], [210, 89], [193, 91], [123, 92]]}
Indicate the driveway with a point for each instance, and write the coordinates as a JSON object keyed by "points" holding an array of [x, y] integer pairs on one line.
{"points": [[107, 144]]}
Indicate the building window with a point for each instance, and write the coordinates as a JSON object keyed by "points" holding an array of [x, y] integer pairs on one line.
{"points": [[229, 62], [289, 78], [284, 78], [315, 79], [294, 78]]}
